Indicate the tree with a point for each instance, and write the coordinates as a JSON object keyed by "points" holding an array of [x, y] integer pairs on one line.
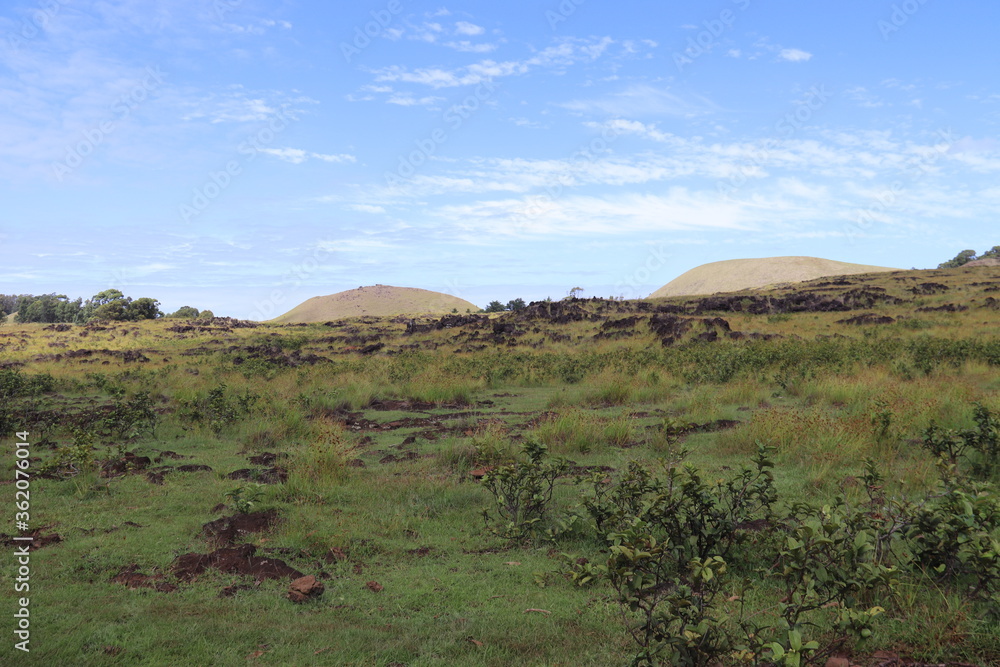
{"points": [[184, 311], [112, 310], [992, 253], [109, 304], [143, 308], [961, 259], [47, 308], [573, 292], [516, 304], [206, 315], [495, 307]]}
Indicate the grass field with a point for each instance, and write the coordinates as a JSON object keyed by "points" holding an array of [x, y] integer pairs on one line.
{"points": [[365, 452]]}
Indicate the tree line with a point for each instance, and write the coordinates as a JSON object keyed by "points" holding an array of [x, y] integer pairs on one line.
{"points": [[110, 304], [966, 256]]}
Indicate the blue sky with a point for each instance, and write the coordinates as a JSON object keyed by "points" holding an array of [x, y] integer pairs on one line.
{"points": [[244, 155]]}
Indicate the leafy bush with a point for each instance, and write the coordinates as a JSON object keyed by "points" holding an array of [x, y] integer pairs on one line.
{"points": [[977, 448], [132, 417], [522, 492]]}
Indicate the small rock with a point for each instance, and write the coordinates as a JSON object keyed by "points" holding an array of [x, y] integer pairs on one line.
{"points": [[838, 662], [305, 588], [374, 586]]}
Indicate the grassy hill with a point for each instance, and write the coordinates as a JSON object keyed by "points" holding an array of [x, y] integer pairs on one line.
{"points": [[733, 275], [184, 473], [378, 301]]}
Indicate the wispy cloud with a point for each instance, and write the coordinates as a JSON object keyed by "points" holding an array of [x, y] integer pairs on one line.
{"points": [[795, 55], [298, 156], [643, 100], [470, 29]]}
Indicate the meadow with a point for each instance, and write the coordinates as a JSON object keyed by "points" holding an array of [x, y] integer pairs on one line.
{"points": [[792, 476]]}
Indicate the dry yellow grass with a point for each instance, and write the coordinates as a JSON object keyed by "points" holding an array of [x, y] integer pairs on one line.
{"points": [[376, 300], [734, 275]]}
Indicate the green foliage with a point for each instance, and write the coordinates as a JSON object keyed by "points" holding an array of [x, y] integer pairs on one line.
{"points": [[689, 517], [961, 259], [48, 308], [522, 492], [73, 459], [828, 562], [881, 418], [218, 409], [494, 307], [977, 449], [516, 304], [671, 614], [187, 312], [955, 536], [132, 418], [245, 497]]}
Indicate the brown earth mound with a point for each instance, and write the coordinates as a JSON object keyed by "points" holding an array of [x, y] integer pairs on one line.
{"points": [[233, 560], [734, 275], [376, 300]]}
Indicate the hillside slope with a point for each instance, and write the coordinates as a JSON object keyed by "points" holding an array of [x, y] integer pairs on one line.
{"points": [[733, 275], [377, 300]]}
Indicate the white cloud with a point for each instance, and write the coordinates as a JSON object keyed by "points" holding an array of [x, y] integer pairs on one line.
{"points": [[408, 100], [795, 55], [466, 46], [298, 156], [466, 28], [566, 53], [367, 208], [640, 100]]}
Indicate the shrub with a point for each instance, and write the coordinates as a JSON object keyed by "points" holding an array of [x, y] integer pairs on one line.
{"points": [[522, 492]]}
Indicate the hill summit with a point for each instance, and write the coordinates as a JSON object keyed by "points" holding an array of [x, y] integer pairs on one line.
{"points": [[376, 300], [734, 275]]}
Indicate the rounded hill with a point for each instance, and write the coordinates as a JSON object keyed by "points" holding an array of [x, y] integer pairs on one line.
{"points": [[734, 275], [375, 300]]}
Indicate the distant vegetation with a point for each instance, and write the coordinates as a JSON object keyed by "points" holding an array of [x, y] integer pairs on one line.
{"points": [[111, 304], [514, 304], [966, 256]]}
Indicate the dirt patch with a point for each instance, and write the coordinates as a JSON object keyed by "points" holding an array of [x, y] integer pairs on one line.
{"points": [[266, 458], [305, 588], [39, 539], [124, 465], [927, 289], [420, 551], [194, 467], [275, 475], [229, 529], [132, 578], [233, 560], [867, 318]]}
